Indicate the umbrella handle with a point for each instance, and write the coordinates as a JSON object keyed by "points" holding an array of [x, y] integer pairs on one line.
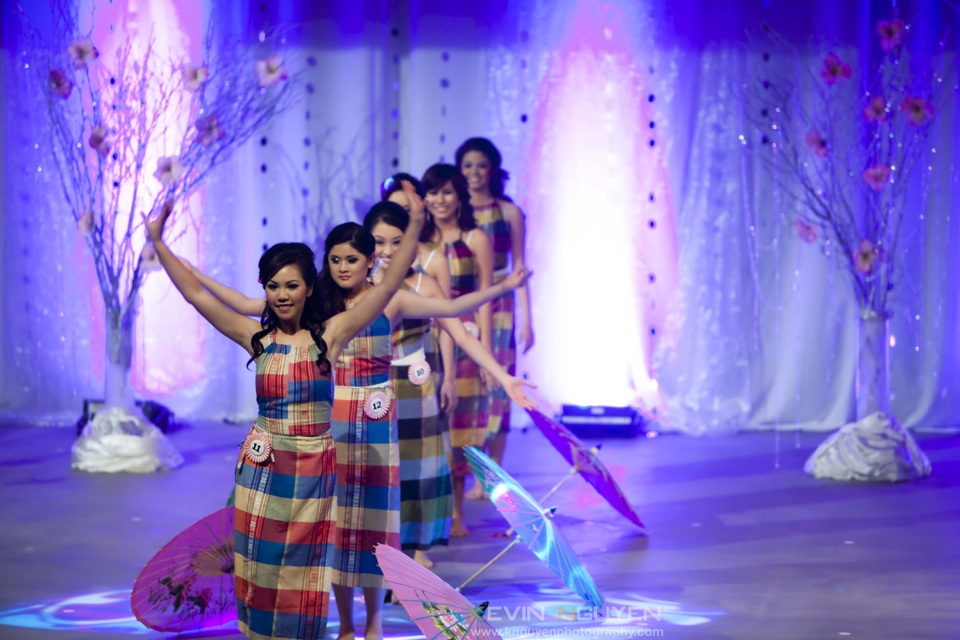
{"points": [[573, 472], [487, 566]]}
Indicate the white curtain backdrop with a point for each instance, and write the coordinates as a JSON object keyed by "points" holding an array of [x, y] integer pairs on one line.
{"points": [[667, 273]]}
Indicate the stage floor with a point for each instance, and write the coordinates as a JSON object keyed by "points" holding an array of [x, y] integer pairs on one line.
{"points": [[742, 543]]}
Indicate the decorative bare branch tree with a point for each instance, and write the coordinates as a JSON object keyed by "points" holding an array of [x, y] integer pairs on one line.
{"points": [[847, 155], [108, 117]]}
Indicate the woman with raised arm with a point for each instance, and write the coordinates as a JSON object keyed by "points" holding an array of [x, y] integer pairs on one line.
{"points": [[431, 261], [479, 160], [285, 478], [425, 505], [363, 420], [450, 225], [364, 416]]}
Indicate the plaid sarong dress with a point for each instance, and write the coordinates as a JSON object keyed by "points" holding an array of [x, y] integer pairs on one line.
{"points": [[284, 523], [368, 459], [426, 503], [468, 422], [489, 217], [431, 339]]}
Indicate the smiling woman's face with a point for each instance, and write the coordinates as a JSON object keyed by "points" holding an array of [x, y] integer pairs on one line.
{"points": [[287, 293]]}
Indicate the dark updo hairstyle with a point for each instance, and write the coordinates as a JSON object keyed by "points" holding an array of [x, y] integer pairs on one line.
{"points": [[389, 213], [498, 175], [434, 178], [301, 256], [386, 212], [334, 299], [393, 184]]}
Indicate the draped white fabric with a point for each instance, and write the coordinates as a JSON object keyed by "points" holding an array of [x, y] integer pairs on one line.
{"points": [[667, 275]]}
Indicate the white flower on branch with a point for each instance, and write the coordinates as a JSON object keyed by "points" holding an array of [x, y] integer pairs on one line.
{"points": [[194, 77], [85, 223], [148, 259], [209, 129], [169, 170], [82, 52], [271, 71]]}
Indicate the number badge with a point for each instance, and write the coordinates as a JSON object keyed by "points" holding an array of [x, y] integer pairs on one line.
{"points": [[258, 446], [419, 373], [377, 405]]}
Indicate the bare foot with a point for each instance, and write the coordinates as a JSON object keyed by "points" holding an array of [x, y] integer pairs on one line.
{"points": [[349, 635], [476, 492], [457, 530], [422, 558], [371, 633]]}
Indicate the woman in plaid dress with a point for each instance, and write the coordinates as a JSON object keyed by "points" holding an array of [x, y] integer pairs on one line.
{"points": [[479, 161], [285, 475], [469, 254], [364, 417], [425, 504]]}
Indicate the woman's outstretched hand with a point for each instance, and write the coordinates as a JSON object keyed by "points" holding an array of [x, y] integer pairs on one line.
{"points": [[514, 388], [155, 226], [517, 279], [417, 216]]}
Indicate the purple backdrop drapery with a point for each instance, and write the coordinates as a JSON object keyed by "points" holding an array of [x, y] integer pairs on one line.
{"points": [[667, 276]]}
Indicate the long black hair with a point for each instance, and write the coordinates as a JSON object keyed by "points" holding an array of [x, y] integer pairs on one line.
{"points": [[334, 299], [434, 178], [498, 175], [300, 255]]}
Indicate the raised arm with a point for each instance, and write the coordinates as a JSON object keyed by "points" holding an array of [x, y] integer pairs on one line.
{"points": [[412, 305], [482, 356], [231, 297], [518, 240], [342, 327], [238, 328]]}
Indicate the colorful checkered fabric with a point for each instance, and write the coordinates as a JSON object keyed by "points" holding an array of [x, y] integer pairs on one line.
{"points": [[284, 525], [426, 503], [368, 459], [503, 343], [468, 423]]}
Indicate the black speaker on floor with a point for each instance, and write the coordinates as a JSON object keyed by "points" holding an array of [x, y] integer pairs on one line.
{"points": [[155, 412], [601, 422]]}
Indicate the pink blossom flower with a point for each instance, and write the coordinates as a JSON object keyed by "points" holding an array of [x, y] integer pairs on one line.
{"points": [[833, 69], [194, 76], [918, 110], [271, 71], [98, 140], [82, 52], [85, 223], [816, 143], [876, 111], [866, 256], [60, 84], [168, 170], [891, 33], [876, 176], [209, 129], [806, 232]]}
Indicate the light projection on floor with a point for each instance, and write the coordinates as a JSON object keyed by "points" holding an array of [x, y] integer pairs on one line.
{"points": [[601, 224]]}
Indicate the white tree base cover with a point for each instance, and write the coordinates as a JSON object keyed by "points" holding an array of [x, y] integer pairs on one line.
{"points": [[115, 441], [874, 449]]}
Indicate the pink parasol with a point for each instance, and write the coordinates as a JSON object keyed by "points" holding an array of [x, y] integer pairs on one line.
{"points": [[189, 585], [435, 607], [587, 463]]}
